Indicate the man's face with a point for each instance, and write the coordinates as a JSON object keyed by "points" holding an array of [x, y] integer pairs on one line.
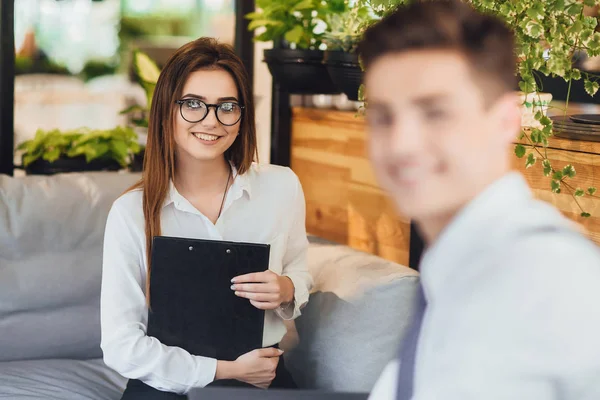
{"points": [[433, 141]]}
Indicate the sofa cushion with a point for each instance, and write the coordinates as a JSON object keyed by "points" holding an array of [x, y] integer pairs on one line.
{"points": [[59, 380], [352, 326], [51, 234], [344, 346]]}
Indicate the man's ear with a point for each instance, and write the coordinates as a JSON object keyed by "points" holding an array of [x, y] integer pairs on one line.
{"points": [[507, 112]]}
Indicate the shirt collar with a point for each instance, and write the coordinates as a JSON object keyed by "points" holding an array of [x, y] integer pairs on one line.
{"points": [[241, 184], [469, 232]]}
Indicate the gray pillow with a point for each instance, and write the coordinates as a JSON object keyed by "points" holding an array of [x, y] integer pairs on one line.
{"points": [[59, 380], [51, 235], [344, 345]]}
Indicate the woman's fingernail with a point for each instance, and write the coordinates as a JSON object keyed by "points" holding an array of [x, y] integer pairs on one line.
{"points": [[232, 287]]}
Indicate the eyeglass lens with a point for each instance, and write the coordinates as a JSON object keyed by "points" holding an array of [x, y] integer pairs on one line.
{"points": [[194, 110]]}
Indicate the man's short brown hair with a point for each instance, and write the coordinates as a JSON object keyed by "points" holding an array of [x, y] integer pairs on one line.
{"points": [[485, 40]]}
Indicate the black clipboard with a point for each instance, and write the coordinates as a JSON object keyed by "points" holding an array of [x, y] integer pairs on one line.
{"points": [[192, 305]]}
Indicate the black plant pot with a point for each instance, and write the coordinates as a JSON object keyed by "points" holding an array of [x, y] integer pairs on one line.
{"points": [[65, 164], [344, 70], [300, 71], [137, 162]]}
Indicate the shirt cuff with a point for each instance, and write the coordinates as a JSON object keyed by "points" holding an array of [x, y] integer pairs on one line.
{"points": [[300, 300], [206, 371]]}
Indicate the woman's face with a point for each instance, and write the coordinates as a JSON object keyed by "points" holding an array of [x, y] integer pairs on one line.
{"points": [[202, 132]]}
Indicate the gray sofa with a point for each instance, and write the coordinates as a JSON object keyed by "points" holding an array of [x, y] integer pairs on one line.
{"points": [[51, 231]]}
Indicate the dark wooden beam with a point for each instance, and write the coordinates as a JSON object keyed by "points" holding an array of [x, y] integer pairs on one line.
{"points": [[244, 44], [7, 86], [281, 126]]}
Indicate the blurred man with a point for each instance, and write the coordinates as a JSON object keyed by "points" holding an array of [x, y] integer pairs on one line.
{"points": [[511, 292]]}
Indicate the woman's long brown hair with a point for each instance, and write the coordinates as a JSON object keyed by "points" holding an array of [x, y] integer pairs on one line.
{"points": [[159, 157]]}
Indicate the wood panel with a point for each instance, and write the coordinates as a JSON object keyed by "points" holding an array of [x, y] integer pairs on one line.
{"points": [[587, 167], [343, 201], [345, 204]]}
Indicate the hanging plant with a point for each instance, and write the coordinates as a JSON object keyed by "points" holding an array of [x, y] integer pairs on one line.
{"points": [[551, 36]]}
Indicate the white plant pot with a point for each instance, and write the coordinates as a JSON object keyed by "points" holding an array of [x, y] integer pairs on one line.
{"points": [[341, 102], [531, 103], [322, 101]]}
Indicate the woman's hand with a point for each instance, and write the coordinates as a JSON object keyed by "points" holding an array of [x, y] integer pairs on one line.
{"points": [[265, 290], [257, 367]]}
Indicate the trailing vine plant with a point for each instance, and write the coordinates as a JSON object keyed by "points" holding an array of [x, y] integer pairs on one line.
{"points": [[551, 35]]}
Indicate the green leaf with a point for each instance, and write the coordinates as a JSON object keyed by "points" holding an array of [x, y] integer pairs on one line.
{"points": [[545, 121], [555, 185], [29, 158], [533, 13], [131, 109], [569, 171], [520, 150], [579, 192], [589, 3], [295, 34], [533, 28], [259, 23], [52, 154], [530, 160], [547, 167], [145, 68], [361, 92], [558, 175], [119, 147], [575, 9], [303, 5], [253, 15], [576, 28], [527, 86], [591, 190], [591, 87], [141, 122], [585, 215], [575, 74], [559, 5]]}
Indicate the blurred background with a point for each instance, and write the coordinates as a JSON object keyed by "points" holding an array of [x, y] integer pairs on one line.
{"points": [[74, 57]]}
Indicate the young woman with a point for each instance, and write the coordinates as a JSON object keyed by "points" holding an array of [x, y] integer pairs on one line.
{"points": [[200, 181]]}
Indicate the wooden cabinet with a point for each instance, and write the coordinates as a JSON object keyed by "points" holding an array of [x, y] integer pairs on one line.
{"points": [[345, 204], [343, 201], [585, 158]]}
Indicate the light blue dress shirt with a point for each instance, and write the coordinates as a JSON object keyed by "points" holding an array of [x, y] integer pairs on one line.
{"points": [[513, 305]]}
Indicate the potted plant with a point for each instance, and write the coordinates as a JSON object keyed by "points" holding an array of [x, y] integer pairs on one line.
{"points": [[53, 151], [146, 73], [296, 60], [341, 36], [551, 39]]}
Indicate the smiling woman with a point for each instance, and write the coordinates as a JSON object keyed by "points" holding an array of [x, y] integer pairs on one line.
{"points": [[206, 90], [200, 181]]}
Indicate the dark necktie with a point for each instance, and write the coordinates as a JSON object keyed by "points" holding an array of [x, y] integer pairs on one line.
{"points": [[408, 350]]}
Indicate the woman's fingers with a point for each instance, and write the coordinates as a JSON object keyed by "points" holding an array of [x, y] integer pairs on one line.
{"points": [[255, 287], [262, 297], [262, 305]]}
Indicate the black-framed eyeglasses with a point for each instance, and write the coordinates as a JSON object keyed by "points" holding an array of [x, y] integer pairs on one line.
{"points": [[195, 110]]}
